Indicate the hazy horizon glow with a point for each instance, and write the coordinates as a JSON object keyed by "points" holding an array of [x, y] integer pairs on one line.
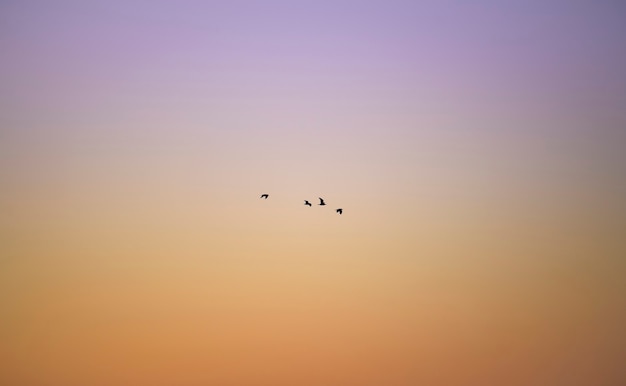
{"points": [[478, 152]]}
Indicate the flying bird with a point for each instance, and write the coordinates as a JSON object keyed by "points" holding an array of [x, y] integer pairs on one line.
{"points": [[264, 196], [306, 202], [321, 201], [340, 211]]}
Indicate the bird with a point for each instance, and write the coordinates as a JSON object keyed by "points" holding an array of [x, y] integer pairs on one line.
{"points": [[321, 201], [264, 196], [340, 211], [306, 202]]}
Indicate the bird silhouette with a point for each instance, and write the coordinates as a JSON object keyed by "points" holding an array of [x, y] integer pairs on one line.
{"points": [[340, 211], [306, 202], [265, 196], [321, 201]]}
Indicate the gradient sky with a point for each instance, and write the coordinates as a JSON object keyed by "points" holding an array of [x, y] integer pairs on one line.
{"points": [[478, 150]]}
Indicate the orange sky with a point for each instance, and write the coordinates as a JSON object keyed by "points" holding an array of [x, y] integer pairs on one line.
{"points": [[479, 163]]}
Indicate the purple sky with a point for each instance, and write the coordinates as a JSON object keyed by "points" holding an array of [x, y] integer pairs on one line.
{"points": [[476, 147]]}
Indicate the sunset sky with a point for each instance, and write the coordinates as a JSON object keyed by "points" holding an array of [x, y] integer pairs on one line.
{"points": [[477, 148]]}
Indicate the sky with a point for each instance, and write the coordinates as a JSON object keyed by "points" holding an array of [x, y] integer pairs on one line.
{"points": [[476, 148]]}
